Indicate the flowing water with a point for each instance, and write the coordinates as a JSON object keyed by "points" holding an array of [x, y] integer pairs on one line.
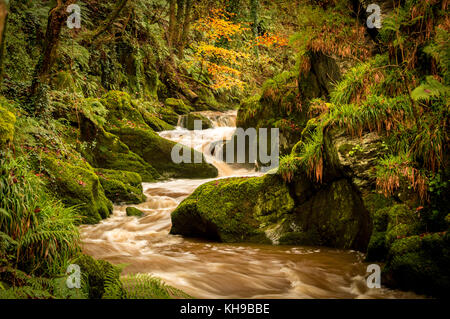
{"points": [[216, 270]]}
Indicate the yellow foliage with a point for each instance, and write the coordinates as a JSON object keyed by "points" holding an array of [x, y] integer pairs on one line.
{"points": [[222, 64]]}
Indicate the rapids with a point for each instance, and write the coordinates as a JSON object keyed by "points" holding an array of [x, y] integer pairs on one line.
{"points": [[216, 270]]}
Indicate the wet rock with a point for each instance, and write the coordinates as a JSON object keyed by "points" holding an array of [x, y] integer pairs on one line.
{"points": [[121, 186], [132, 211], [178, 106], [233, 210], [263, 209], [333, 216], [420, 263], [188, 121], [358, 157]]}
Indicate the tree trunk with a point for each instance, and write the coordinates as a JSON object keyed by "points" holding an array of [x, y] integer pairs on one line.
{"points": [[179, 23], [172, 22], [3, 26], [56, 19], [186, 28], [112, 17]]}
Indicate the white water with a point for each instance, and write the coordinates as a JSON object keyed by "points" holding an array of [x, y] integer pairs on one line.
{"points": [[216, 270]]}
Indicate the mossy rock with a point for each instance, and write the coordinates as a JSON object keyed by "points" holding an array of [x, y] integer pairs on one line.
{"points": [[375, 202], [132, 211], [97, 273], [390, 224], [309, 238], [168, 115], [110, 152], [124, 111], [121, 108], [155, 122], [420, 264], [76, 184], [157, 151], [336, 213], [401, 214], [178, 106], [400, 231], [7, 121], [377, 249], [188, 121], [121, 186], [233, 210]]}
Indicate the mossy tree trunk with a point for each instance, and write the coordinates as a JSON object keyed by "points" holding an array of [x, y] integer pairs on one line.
{"points": [[179, 22], [186, 28], [172, 22], [3, 25], [56, 19]]}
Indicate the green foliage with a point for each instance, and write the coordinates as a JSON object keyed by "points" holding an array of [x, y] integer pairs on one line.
{"points": [[144, 286], [429, 90], [289, 165], [132, 211], [39, 233], [311, 154], [7, 121]]}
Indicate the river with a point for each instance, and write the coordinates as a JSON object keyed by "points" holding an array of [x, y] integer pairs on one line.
{"points": [[217, 270]]}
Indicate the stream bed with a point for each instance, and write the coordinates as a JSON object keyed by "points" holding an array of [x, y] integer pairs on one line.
{"points": [[217, 270]]}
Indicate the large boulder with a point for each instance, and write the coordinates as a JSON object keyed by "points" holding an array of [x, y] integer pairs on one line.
{"points": [[420, 263], [128, 124], [234, 209], [358, 156], [121, 186], [332, 215], [188, 121], [267, 210], [76, 184], [158, 152], [178, 106], [109, 152]]}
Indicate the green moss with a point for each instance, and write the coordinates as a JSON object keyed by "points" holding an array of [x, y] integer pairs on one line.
{"points": [[401, 214], [157, 151], [121, 186], [233, 210], [375, 202], [110, 153], [123, 111], [131, 211], [155, 123], [380, 220], [420, 264], [168, 115], [377, 249], [406, 245], [7, 121], [178, 106], [121, 108], [400, 231], [76, 184], [188, 121]]}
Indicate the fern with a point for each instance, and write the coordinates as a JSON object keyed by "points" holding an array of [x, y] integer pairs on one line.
{"points": [[432, 88], [144, 286]]}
